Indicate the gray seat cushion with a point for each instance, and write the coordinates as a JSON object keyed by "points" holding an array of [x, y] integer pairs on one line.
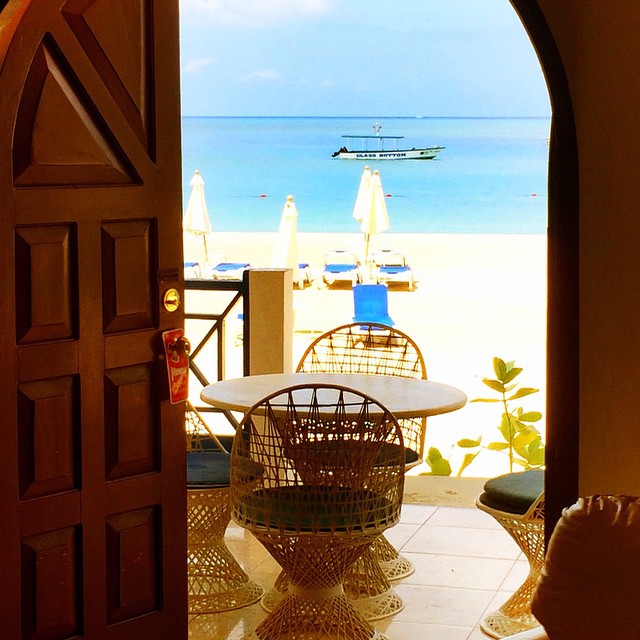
{"points": [[206, 469], [513, 492]]}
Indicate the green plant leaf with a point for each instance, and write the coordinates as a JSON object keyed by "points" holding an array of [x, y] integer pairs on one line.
{"points": [[485, 400], [536, 453], [524, 438], [433, 455], [500, 367], [496, 385], [522, 426], [511, 375], [468, 459], [522, 392], [441, 468], [497, 446], [531, 416], [507, 427], [468, 443]]}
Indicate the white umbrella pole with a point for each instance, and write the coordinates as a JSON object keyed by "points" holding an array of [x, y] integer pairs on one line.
{"points": [[206, 253], [367, 260]]}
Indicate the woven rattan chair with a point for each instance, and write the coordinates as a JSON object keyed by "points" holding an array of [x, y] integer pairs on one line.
{"points": [[332, 483], [375, 349], [516, 501], [216, 582]]}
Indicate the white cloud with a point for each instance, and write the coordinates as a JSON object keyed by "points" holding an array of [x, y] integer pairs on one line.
{"points": [[193, 65], [252, 13], [264, 75]]}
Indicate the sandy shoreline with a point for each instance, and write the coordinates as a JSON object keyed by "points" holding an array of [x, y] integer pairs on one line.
{"points": [[477, 296]]}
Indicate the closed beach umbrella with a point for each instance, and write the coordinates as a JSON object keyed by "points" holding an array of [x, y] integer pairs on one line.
{"points": [[196, 218], [375, 218], [285, 254], [363, 196]]}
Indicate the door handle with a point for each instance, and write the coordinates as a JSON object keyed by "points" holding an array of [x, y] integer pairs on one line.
{"points": [[179, 347]]}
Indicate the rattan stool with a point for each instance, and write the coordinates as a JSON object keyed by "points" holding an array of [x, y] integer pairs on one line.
{"points": [[516, 501], [215, 580]]}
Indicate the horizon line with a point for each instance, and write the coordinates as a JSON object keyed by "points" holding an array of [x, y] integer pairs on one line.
{"points": [[416, 117]]}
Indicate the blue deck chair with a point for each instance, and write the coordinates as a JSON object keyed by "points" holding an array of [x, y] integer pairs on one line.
{"points": [[229, 270], [371, 304], [192, 271], [341, 266]]}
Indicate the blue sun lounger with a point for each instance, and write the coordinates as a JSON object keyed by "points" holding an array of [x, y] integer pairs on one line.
{"points": [[229, 270], [341, 266], [371, 304], [192, 271], [392, 267]]}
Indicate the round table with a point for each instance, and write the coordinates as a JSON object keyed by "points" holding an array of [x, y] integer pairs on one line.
{"points": [[404, 397]]}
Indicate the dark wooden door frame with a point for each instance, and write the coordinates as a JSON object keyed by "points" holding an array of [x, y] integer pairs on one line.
{"points": [[563, 338]]}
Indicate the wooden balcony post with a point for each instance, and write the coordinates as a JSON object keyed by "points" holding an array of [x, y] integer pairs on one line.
{"points": [[270, 320]]}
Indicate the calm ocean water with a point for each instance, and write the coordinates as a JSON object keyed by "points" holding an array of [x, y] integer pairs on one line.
{"points": [[491, 178]]}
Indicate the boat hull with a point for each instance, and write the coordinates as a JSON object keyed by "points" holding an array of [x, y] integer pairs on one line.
{"points": [[427, 153]]}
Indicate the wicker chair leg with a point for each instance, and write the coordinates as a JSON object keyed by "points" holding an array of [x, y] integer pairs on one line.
{"points": [[272, 598], [332, 617], [365, 585], [369, 590], [515, 614], [394, 566], [216, 582]]}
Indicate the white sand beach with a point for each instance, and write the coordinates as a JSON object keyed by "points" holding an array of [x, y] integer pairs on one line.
{"points": [[476, 297]]}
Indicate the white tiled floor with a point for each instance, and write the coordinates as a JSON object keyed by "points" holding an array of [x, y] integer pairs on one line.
{"points": [[466, 565]]}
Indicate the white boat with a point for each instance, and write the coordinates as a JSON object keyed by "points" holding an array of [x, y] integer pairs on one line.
{"points": [[384, 148]]}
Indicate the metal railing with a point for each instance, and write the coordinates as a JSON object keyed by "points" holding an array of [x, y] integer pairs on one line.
{"points": [[211, 307]]}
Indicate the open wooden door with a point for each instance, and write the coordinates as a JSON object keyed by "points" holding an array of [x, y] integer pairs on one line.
{"points": [[92, 453]]}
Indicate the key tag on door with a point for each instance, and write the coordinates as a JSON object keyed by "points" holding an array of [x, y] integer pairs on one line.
{"points": [[176, 350]]}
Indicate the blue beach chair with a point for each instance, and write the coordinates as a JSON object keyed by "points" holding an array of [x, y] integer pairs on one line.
{"points": [[229, 270], [341, 266], [392, 267], [371, 304], [192, 271]]}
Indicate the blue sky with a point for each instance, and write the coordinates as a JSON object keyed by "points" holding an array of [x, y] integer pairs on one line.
{"points": [[459, 58]]}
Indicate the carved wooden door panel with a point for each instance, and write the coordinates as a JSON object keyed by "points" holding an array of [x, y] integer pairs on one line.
{"points": [[92, 454]]}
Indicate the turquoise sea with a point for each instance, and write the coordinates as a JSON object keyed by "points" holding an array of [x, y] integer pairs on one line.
{"points": [[491, 177]]}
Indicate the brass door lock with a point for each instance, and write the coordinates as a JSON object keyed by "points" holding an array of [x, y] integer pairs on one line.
{"points": [[171, 300]]}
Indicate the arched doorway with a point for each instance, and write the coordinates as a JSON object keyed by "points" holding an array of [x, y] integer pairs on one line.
{"points": [[563, 310], [562, 257]]}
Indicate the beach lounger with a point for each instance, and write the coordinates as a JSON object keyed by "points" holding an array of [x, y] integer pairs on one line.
{"points": [[371, 304], [341, 266], [192, 271], [391, 266], [303, 276], [229, 270]]}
